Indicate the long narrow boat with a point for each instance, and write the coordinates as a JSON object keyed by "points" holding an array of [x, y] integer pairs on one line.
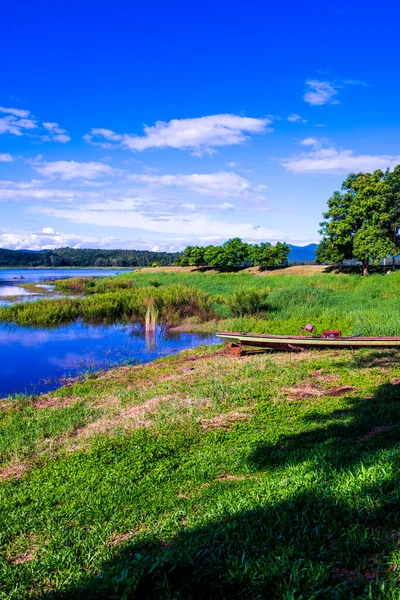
{"points": [[297, 342]]}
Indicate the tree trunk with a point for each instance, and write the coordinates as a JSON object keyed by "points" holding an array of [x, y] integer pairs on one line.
{"points": [[365, 267]]}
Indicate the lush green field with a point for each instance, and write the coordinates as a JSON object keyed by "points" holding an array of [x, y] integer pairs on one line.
{"points": [[207, 476], [352, 303]]}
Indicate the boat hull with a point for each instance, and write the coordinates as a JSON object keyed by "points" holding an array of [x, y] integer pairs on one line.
{"points": [[288, 342]]}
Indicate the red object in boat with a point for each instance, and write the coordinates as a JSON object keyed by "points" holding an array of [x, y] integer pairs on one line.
{"points": [[332, 334]]}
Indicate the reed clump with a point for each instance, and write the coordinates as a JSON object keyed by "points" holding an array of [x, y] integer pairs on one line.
{"points": [[247, 301], [170, 303], [93, 285]]}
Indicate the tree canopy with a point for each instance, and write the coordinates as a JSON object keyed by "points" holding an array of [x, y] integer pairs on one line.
{"points": [[362, 220], [235, 253], [86, 257]]}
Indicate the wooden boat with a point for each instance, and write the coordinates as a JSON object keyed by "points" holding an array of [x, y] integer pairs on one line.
{"points": [[328, 339]]}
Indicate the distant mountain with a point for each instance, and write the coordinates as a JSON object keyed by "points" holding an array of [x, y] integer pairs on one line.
{"points": [[31, 251], [302, 253]]}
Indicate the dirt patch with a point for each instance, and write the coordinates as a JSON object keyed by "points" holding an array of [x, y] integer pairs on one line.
{"points": [[320, 377], [230, 477], [315, 387], [224, 422], [353, 575], [22, 559], [376, 431], [303, 270], [12, 471], [132, 417], [54, 402], [117, 539], [341, 390], [302, 391], [140, 415]]}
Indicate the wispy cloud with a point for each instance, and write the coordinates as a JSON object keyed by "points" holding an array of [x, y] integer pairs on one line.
{"points": [[222, 183], [326, 92], [331, 161], [310, 141], [16, 112], [55, 133], [16, 121], [71, 169], [199, 135], [6, 157], [295, 118]]}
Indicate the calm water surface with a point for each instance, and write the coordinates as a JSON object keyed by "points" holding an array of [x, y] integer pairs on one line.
{"points": [[33, 275], [39, 360]]}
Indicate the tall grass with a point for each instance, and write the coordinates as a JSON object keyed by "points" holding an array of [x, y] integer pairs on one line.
{"points": [[246, 301], [171, 303], [151, 316], [240, 301]]}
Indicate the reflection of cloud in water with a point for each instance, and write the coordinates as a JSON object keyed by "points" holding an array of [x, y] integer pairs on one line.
{"points": [[12, 290], [28, 337], [34, 359], [72, 359]]}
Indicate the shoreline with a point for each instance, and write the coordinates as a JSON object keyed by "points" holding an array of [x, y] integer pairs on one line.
{"points": [[188, 461]]}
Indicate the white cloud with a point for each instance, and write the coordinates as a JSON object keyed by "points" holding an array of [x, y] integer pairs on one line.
{"points": [[20, 122], [200, 134], [55, 134], [48, 238], [17, 112], [174, 225], [310, 141], [36, 190], [320, 92], [222, 183], [325, 92], [335, 162], [16, 121], [295, 118], [67, 170], [231, 165], [6, 157]]}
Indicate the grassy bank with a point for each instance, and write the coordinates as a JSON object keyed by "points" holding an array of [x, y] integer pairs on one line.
{"points": [[352, 303], [206, 476], [173, 303]]}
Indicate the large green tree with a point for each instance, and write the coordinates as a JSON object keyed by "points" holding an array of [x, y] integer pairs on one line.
{"points": [[362, 220]]}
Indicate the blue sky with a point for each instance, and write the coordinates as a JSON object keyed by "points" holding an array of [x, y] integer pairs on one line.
{"points": [[158, 125]]}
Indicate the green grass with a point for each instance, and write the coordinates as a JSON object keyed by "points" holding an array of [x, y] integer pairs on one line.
{"points": [[352, 303], [173, 303], [203, 475], [207, 476]]}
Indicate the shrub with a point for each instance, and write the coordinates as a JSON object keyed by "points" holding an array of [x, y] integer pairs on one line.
{"points": [[248, 302]]}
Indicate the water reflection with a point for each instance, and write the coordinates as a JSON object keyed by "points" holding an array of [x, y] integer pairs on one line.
{"points": [[34, 275], [8, 289], [38, 360]]}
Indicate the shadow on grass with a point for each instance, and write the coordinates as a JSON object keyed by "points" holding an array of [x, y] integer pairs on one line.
{"points": [[330, 539]]}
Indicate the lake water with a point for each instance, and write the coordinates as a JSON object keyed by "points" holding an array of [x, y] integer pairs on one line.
{"points": [[36, 360], [34, 275], [39, 360]]}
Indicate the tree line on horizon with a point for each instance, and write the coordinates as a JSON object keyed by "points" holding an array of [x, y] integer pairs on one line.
{"points": [[363, 220], [361, 224], [235, 253], [89, 257]]}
